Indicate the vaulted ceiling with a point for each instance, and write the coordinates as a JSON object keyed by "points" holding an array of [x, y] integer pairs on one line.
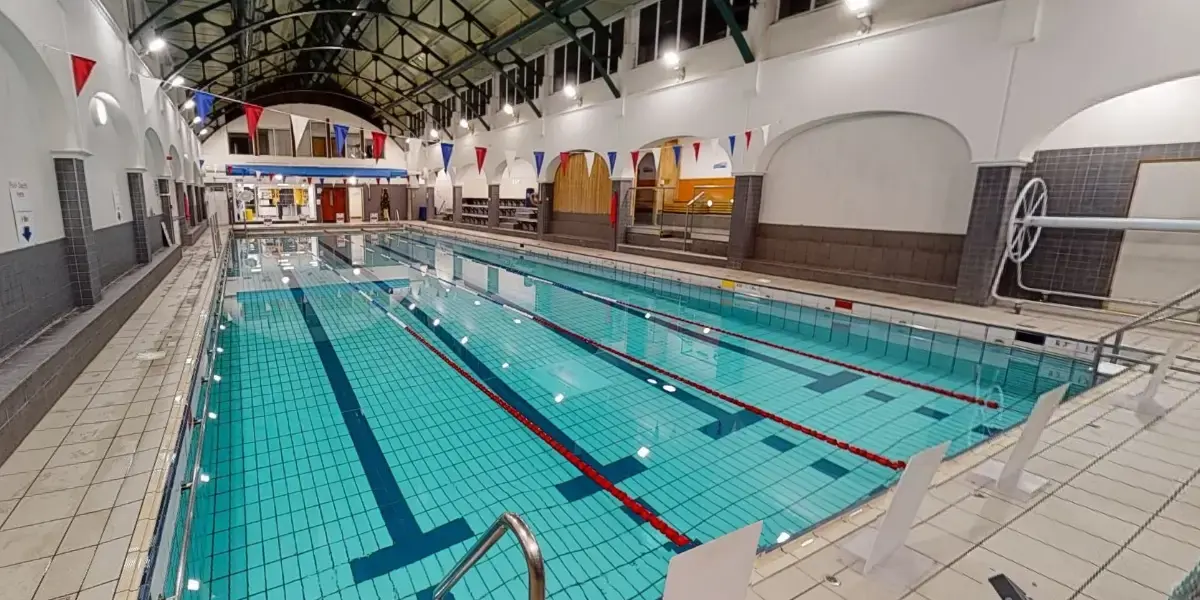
{"points": [[384, 60]]}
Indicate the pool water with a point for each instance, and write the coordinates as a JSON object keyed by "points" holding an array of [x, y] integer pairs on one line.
{"points": [[383, 398]]}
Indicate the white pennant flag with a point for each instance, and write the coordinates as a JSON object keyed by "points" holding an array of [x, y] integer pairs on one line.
{"points": [[589, 158], [149, 89], [766, 129], [299, 123], [655, 152]]}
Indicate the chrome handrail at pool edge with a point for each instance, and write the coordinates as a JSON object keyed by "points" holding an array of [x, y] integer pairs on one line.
{"points": [[529, 546]]}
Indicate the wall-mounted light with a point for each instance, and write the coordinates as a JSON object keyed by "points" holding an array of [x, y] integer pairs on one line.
{"points": [[861, 9], [178, 80], [465, 124], [157, 45], [278, 177], [204, 131], [352, 181], [433, 133], [671, 60], [196, 120], [571, 92], [508, 109], [189, 105]]}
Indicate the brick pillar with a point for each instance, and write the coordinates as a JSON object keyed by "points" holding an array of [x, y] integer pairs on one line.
{"points": [[743, 225], [457, 204], [137, 200], [545, 208], [82, 255], [996, 189], [621, 188], [494, 205]]}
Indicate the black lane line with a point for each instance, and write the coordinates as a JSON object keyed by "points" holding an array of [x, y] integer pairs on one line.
{"points": [[409, 543]]}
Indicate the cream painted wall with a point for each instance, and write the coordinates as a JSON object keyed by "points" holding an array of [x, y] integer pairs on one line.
{"points": [[474, 184], [891, 172], [516, 179], [1161, 114], [1152, 265]]}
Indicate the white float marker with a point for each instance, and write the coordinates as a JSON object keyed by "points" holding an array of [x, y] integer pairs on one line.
{"points": [[717, 570], [1009, 478], [1143, 402], [882, 549]]}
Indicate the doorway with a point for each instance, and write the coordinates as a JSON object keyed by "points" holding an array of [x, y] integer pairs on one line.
{"points": [[333, 203]]}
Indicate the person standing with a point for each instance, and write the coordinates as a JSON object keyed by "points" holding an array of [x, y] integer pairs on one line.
{"points": [[385, 206]]}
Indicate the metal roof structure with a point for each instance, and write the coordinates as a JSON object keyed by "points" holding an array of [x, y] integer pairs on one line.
{"points": [[392, 62]]}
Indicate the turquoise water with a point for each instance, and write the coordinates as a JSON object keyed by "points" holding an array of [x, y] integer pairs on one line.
{"points": [[348, 459]]}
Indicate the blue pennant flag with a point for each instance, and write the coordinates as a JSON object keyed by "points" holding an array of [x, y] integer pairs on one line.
{"points": [[677, 148], [732, 144], [447, 149], [538, 157], [612, 163], [204, 102], [339, 135]]}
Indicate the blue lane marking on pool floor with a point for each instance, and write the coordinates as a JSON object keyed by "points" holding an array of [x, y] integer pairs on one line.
{"points": [[880, 396], [932, 413], [409, 543]]}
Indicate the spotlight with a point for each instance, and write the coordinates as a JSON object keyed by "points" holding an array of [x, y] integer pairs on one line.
{"points": [[204, 131], [433, 133], [570, 91], [465, 124], [508, 109], [196, 120], [178, 80], [670, 58], [189, 105], [157, 45]]}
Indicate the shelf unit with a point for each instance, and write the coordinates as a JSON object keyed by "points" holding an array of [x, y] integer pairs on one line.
{"points": [[475, 211], [515, 215]]}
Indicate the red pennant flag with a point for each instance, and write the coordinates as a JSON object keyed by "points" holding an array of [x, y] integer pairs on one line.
{"points": [[310, 179], [749, 132], [696, 150], [377, 140], [480, 155], [612, 210], [253, 113], [378, 181], [81, 68], [635, 154], [563, 157]]}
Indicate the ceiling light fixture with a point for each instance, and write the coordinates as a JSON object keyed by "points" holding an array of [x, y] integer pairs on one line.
{"points": [[570, 91], [189, 105], [204, 131], [508, 109], [196, 120], [465, 124], [178, 80], [157, 45], [433, 133], [861, 9]]}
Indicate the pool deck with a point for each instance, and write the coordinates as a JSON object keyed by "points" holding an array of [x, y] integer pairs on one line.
{"points": [[1121, 518]]}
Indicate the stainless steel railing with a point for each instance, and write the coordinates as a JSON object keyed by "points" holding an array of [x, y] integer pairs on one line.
{"points": [[1111, 344], [529, 546]]}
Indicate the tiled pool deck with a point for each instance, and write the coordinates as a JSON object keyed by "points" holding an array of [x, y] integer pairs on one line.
{"points": [[1121, 519]]}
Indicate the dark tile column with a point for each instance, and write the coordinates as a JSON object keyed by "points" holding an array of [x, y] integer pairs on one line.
{"points": [[177, 205], [494, 205], [545, 208], [996, 189], [430, 202], [83, 257], [458, 204], [137, 200], [621, 188], [164, 195], [743, 226]]}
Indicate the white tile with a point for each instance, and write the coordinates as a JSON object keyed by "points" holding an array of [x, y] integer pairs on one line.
{"points": [[784, 585], [1175, 530], [1110, 586], [1065, 538], [1124, 493], [952, 585], [1102, 504], [981, 563], [1134, 477], [1086, 519], [1147, 571], [1166, 549], [1064, 568], [964, 525]]}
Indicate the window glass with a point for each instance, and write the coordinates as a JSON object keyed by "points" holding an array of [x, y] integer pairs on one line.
{"points": [[788, 8], [239, 143], [539, 70], [647, 34], [690, 14], [616, 36], [668, 26], [263, 141], [572, 64], [586, 68], [741, 12], [560, 63], [714, 25]]}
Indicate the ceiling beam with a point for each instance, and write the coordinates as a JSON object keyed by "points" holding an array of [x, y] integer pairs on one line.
{"points": [[739, 39], [564, 23]]}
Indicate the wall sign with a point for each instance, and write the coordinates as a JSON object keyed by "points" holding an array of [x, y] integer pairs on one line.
{"points": [[117, 202], [22, 207]]}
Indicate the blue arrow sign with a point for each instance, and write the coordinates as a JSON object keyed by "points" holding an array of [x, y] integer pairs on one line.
{"points": [[26, 233]]}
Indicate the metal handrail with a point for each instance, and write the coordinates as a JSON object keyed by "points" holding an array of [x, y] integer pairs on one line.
{"points": [[687, 222], [1165, 311], [529, 546]]}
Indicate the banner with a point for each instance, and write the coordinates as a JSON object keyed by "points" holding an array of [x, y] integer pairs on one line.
{"points": [[563, 159], [204, 102], [480, 156], [589, 158], [339, 136], [677, 149], [378, 138], [732, 144], [635, 154], [253, 113], [696, 150], [656, 152], [612, 164], [538, 157], [81, 69], [612, 210], [766, 129], [749, 132], [299, 124], [447, 149]]}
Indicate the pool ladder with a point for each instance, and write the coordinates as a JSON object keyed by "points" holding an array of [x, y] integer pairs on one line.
{"points": [[529, 546]]}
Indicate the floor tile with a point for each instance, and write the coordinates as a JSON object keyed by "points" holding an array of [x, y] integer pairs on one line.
{"points": [[122, 521], [1043, 558], [1066, 538], [1147, 571], [34, 541], [952, 585], [1086, 519], [13, 486], [65, 574], [84, 531], [45, 507], [784, 585], [24, 462], [43, 438], [1166, 549], [77, 453], [55, 479], [103, 591], [116, 467], [1110, 586], [91, 431], [22, 580], [964, 525], [980, 564], [106, 564], [1143, 500]]}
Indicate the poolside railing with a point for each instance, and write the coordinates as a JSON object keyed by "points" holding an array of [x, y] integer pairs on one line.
{"points": [[163, 576]]}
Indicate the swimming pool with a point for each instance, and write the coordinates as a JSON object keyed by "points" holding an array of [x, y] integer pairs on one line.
{"points": [[383, 398]]}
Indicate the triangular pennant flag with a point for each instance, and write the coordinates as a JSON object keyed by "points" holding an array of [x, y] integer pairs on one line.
{"points": [[563, 159], [749, 132], [589, 158], [204, 102], [149, 89], [677, 149], [81, 69], [447, 149], [378, 181], [480, 156], [378, 138], [766, 129], [538, 157], [340, 132], [635, 154], [696, 150], [732, 144], [655, 153], [612, 164], [253, 113], [299, 124]]}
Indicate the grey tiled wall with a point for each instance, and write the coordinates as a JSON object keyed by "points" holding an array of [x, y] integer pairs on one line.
{"points": [[154, 239], [996, 188], [493, 205], [117, 250], [458, 201], [747, 196], [1086, 182], [83, 259], [580, 225], [35, 289], [137, 199]]}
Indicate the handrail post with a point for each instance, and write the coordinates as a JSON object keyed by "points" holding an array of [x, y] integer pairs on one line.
{"points": [[529, 546]]}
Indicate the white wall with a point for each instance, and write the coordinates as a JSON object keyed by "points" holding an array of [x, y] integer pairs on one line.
{"points": [[1151, 263], [891, 172], [1166, 113], [474, 184], [516, 178], [443, 193], [713, 162]]}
